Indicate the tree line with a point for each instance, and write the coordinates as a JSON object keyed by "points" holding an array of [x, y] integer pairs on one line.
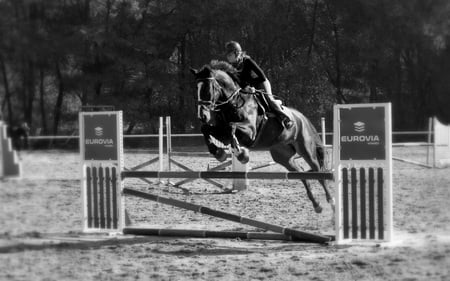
{"points": [[59, 55]]}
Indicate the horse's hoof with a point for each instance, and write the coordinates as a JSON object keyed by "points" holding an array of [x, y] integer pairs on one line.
{"points": [[220, 155], [244, 156], [318, 209]]}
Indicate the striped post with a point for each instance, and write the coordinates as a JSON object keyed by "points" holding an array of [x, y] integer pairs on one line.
{"points": [[356, 223]]}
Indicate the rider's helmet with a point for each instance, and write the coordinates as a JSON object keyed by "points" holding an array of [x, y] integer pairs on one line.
{"points": [[233, 47]]}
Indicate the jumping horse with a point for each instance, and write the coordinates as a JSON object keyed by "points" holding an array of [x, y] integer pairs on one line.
{"points": [[236, 117]]}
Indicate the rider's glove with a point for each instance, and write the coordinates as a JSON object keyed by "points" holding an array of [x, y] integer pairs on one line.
{"points": [[250, 89]]}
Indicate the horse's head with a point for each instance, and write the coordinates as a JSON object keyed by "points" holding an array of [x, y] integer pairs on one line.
{"points": [[215, 88]]}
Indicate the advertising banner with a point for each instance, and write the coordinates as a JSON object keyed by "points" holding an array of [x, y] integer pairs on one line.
{"points": [[362, 133], [100, 137]]}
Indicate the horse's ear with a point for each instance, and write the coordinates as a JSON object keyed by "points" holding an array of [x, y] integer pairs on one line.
{"points": [[194, 71]]}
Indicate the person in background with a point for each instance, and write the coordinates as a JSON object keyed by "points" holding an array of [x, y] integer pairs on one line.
{"points": [[19, 136], [250, 75]]}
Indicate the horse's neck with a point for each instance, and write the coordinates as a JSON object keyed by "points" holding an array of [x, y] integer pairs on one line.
{"points": [[230, 87]]}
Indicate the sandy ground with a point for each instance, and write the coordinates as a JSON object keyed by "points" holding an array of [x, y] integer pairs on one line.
{"points": [[41, 239]]}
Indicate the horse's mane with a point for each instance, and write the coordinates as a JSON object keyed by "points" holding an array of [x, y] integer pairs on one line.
{"points": [[222, 71], [222, 65]]}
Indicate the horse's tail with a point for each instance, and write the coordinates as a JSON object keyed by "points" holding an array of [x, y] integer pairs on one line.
{"points": [[320, 156], [319, 147]]}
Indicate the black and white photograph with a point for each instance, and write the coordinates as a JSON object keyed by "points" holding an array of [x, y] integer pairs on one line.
{"points": [[178, 140]]}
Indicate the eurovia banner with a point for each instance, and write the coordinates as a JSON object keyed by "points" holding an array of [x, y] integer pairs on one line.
{"points": [[362, 133], [100, 137]]}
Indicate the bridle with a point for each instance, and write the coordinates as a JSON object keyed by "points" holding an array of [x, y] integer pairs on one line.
{"points": [[214, 104]]}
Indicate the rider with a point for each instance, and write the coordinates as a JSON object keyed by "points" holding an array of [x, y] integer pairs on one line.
{"points": [[250, 74]]}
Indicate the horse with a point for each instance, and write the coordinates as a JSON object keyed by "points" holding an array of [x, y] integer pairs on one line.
{"points": [[234, 117]]}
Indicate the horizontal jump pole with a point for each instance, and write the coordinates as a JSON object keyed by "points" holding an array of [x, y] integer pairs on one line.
{"points": [[412, 162], [229, 175], [192, 154], [299, 235], [408, 144], [196, 233]]}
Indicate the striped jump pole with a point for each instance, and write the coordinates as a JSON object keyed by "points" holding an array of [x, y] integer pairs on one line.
{"points": [[197, 233], [229, 175]]}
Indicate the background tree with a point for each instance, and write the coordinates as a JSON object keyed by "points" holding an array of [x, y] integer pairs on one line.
{"points": [[56, 56]]}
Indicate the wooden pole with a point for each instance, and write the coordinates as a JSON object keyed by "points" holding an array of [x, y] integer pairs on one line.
{"points": [[229, 175], [297, 234], [196, 233]]}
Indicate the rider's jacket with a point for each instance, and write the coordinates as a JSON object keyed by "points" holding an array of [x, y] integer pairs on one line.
{"points": [[249, 73]]}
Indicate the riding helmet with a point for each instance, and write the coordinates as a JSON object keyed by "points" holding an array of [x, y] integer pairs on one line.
{"points": [[233, 47]]}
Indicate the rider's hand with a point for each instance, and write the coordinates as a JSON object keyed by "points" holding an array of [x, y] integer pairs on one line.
{"points": [[250, 89]]}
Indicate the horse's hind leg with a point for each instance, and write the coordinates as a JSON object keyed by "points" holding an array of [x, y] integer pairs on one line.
{"points": [[284, 155], [309, 154]]}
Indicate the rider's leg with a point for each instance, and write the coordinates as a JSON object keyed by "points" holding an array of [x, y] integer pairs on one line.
{"points": [[275, 106]]}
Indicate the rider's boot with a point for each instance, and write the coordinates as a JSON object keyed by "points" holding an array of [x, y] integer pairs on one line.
{"points": [[285, 119]]}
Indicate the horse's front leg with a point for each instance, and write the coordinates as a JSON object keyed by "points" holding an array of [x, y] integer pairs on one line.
{"points": [[241, 153], [218, 152]]}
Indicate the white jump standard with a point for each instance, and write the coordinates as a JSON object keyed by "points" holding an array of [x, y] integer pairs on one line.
{"points": [[362, 156], [10, 166]]}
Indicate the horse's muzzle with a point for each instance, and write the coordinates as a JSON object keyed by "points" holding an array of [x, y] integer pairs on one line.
{"points": [[203, 116]]}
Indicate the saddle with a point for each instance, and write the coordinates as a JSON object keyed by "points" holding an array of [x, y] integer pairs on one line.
{"points": [[267, 120], [261, 100], [264, 108]]}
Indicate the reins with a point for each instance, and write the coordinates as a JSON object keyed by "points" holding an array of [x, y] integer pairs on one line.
{"points": [[213, 105]]}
